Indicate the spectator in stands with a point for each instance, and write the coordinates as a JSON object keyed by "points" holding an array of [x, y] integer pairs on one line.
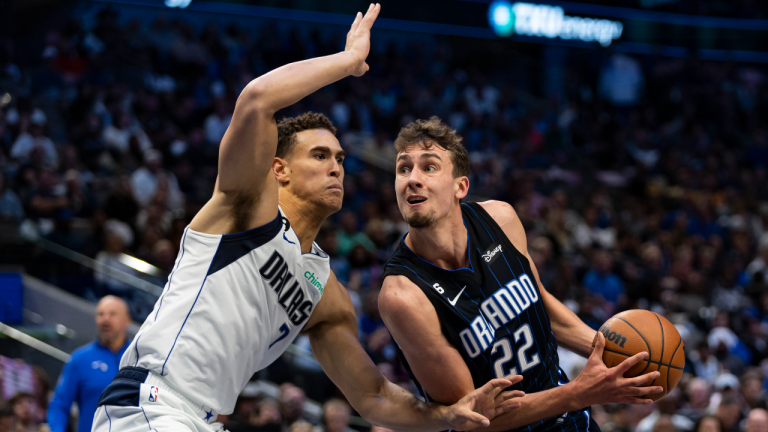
{"points": [[11, 209], [34, 146], [7, 419], [708, 423], [336, 414], [118, 135], [698, 399], [729, 413], [23, 405], [602, 282], [301, 426], [151, 178], [757, 421], [91, 367], [218, 122], [349, 236], [48, 200], [117, 236], [121, 204], [291, 404]]}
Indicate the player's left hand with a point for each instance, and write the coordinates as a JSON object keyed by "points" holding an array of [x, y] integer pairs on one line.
{"points": [[478, 408]]}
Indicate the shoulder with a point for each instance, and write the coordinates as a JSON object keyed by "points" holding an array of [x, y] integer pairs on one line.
{"points": [[500, 211], [506, 217], [82, 354], [399, 295]]}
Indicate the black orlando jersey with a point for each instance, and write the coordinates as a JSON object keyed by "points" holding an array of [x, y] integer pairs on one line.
{"points": [[493, 314]]}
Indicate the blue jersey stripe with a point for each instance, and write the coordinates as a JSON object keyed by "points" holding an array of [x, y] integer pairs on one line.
{"points": [[108, 418], [162, 371], [170, 278]]}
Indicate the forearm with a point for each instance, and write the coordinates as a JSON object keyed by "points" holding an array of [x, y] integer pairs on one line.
{"points": [[397, 409], [538, 406], [58, 415], [569, 329], [289, 84]]}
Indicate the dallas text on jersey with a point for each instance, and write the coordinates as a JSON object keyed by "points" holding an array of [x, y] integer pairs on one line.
{"points": [[275, 270]]}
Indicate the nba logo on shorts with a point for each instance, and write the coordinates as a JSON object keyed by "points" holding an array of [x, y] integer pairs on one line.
{"points": [[153, 393]]}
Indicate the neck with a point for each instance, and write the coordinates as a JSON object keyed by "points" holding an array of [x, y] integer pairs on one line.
{"points": [[443, 244], [305, 218], [115, 344]]}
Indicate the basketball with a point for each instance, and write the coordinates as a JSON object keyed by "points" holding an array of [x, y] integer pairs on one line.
{"points": [[634, 331]]}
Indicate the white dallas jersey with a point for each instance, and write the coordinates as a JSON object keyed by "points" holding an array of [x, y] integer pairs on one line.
{"points": [[232, 305]]}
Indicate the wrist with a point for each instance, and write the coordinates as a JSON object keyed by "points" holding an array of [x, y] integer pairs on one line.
{"points": [[440, 415], [350, 61], [575, 395]]}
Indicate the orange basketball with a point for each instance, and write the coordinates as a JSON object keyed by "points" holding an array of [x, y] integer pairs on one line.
{"points": [[634, 331]]}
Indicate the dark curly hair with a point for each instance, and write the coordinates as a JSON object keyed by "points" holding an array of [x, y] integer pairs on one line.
{"points": [[427, 133], [288, 127]]}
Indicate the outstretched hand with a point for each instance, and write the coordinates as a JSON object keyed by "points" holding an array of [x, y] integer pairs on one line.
{"points": [[478, 408], [359, 38], [603, 385]]}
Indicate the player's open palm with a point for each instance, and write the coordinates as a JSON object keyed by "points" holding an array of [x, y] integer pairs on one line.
{"points": [[359, 38], [599, 384], [478, 408]]}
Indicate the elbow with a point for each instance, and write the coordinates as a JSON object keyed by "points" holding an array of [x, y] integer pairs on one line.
{"points": [[255, 96], [368, 407]]}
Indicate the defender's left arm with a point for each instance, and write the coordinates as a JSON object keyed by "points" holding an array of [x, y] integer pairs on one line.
{"points": [[332, 330], [570, 331]]}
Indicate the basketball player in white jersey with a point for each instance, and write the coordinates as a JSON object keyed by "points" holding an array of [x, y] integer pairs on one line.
{"points": [[249, 279]]}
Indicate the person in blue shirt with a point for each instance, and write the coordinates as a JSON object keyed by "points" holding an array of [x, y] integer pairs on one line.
{"points": [[604, 283], [91, 367]]}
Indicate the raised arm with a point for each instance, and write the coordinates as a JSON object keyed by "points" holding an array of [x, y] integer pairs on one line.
{"points": [[333, 334], [249, 145], [245, 194]]}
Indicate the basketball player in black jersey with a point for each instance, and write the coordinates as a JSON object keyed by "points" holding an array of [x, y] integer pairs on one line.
{"points": [[463, 301]]}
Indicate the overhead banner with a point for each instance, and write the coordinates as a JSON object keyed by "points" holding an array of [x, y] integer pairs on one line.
{"points": [[530, 19]]}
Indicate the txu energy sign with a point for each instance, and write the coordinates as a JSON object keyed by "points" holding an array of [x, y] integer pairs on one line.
{"points": [[529, 19]]}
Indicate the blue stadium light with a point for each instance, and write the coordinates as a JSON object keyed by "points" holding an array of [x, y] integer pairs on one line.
{"points": [[501, 18], [181, 4]]}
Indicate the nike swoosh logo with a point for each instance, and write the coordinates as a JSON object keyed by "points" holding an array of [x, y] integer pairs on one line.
{"points": [[456, 299]]}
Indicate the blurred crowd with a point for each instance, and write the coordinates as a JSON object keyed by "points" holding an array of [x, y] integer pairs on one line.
{"points": [[642, 182]]}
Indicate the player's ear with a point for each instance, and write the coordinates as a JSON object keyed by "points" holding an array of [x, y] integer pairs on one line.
{"points": [[281, 170], [461, 187]]}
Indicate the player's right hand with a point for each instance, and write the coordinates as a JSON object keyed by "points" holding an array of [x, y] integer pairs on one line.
{"points": [[478, 408], [359, 38], [599, 384]]}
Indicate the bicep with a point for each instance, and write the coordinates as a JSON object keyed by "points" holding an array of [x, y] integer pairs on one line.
{"points": [[332, 333], [415, 326], [249, 144]]}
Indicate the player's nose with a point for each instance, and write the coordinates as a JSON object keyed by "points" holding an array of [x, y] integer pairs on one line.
{"points": [[415, 180], [335, 169]]}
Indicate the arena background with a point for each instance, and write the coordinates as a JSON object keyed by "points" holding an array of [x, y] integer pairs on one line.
{"points": [[631, 136]]}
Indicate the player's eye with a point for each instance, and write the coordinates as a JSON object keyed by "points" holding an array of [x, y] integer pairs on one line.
{"points": [[320, 156], [340, 160], [404, 170], [431, 168]]}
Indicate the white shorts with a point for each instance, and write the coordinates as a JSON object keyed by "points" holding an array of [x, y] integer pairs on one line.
{"points": [[139, 400]]}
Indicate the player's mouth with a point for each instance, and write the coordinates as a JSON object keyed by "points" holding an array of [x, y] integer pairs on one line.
{"points": [[335, 187], [415, 200]]}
